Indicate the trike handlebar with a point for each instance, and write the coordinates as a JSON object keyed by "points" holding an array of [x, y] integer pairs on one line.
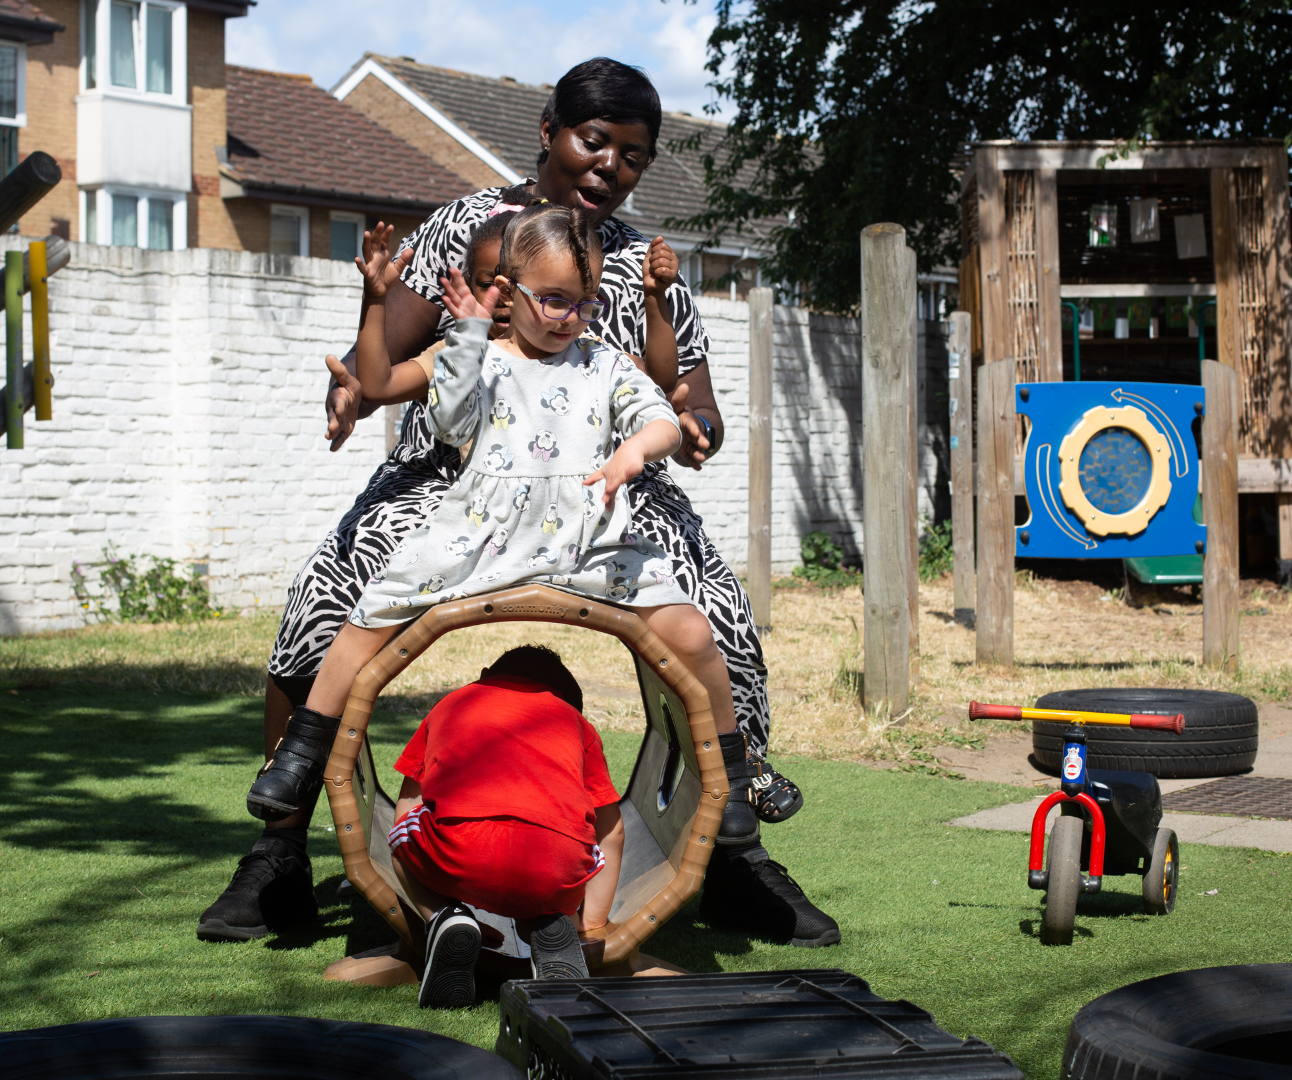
{"points": [[982, 711]]}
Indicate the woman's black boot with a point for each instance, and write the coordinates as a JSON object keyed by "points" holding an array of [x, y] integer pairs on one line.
{"points": [[739, 821], [293, 776]]}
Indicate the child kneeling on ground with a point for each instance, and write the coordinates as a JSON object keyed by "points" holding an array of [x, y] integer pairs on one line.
{"points": [[507, 805]]}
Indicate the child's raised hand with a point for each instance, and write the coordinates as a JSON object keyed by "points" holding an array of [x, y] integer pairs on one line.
{"points": [[659, 268], [461, 302], [379, 271], [625, 463]]}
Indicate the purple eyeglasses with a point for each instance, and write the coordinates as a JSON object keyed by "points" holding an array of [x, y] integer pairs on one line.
{"points": [[557, 308]]}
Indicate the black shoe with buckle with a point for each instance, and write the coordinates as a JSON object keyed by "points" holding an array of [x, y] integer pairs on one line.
{"points": [[776, 797], [739, 822], [747, 890], [293, 777], [273, 888]]}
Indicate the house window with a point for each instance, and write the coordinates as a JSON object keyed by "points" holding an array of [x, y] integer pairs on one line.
{"points": [[137, 217], [125, 220], [161, 224], [144, 46], [347, 235], [91, 217], [289, 230], [13, 86]]}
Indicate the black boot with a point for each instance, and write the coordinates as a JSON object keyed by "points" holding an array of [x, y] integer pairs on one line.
{"points": [[739, 822], [272, 888], [745, 890], [293, 777]]}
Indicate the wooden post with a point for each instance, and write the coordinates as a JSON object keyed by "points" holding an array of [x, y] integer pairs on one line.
{"points": [[758, 579], [997, 323], [1285, 537], [13, 348], [960, 387], [1220, 515], [40, 329], [1224, 240], [995, 607], [913, 413], [886, 446], [1049, 361]]}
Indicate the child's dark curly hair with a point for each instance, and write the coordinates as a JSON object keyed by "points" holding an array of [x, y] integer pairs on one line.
{"points": [[539, 664], [493, 228]]}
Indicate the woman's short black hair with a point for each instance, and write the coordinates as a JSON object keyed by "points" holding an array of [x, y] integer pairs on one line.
{"points": [[603, 89], [539, 664]]}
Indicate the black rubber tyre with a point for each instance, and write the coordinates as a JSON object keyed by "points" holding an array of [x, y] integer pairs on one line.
{"points": [[1225, 1022], [1064, 866], [1163, 874], [287, 1048], [1219, 737]]}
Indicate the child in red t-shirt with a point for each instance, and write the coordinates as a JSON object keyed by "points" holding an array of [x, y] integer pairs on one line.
{"points": [[507, 805]]}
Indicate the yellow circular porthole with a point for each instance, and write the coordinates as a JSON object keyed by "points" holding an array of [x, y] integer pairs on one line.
{"points": [[1114, 470]]}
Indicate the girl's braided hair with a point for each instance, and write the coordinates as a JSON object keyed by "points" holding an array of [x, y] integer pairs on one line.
{"points": [[544, 227]]}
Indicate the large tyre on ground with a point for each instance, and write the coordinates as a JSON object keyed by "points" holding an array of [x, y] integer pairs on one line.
{"points": [[245, 1047], [1064, 868], [1219, 737], [1226, 1022]]}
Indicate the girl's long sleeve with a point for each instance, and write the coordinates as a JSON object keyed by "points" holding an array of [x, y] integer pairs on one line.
{"points": [[635, 400], [454, 398]]}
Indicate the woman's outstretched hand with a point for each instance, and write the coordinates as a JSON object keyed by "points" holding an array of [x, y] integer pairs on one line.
{"points": [[343, 403], [694, 444], [379, 270], [461, 302]]}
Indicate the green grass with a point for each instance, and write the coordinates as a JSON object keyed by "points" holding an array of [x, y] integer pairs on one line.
{"points": [[121, 818]]}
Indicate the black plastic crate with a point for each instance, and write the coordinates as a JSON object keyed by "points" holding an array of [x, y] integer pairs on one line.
{"points": [[742, 1025]]}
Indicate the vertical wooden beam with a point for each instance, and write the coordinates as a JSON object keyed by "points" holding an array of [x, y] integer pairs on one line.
{"points": [[960, 391], [1278, 287], [1285, 537], [13, 348], [1220, 515], [41, 380], [1049, 360], [1224, 241], [759, 560], [995, 607], [886, 446], [913, 413], [997, 340]]}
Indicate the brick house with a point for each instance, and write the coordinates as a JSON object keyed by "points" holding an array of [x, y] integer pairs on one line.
{"points": [[486, 130]]}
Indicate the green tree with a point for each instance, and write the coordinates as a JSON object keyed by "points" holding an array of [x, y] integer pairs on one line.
{"points": [[849, 113]]}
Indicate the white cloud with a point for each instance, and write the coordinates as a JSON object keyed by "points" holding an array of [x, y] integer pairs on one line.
{"points": [[532, 42]]}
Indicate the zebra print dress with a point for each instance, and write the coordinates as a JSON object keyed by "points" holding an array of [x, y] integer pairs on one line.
{"points": [[407, 487]]}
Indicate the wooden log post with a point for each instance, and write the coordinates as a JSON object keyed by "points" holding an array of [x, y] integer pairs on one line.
{"points": [[758, 579], [1220, 515], [960, 393], [994, 614], [913, 476], [886, 512], [39, 271], [13, 349]]}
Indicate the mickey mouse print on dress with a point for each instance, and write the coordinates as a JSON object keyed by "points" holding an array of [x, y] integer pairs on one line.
{"points": [[526, 512]]}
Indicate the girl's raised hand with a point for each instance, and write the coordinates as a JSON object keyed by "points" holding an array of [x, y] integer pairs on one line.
{"points": [[461, 303], [659, 268], [379, 271]]}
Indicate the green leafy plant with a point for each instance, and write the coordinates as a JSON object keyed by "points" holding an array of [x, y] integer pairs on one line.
{"points": [[146, 589], [935, 551], [823, 562]]}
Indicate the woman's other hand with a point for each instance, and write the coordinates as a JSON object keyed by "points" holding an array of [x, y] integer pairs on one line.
{"points": [[343, 403], [694, 443], [659, 268], [379, 270], [461, 302]]}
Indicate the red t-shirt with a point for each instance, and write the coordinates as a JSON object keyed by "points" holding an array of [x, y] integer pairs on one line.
{"points": [[510, 748]]}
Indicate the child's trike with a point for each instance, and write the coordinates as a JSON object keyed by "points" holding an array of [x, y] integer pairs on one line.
{"points": [[1109, 823]]}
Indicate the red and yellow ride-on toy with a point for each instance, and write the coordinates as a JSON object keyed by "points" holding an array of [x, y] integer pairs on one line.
{"points": [[1109, 822]]}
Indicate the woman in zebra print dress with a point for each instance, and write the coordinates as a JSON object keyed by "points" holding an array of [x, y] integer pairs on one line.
{"points": [[593, 163]]}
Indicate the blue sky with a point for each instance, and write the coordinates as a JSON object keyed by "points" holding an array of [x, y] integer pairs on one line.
{"points": [[532, 42]]}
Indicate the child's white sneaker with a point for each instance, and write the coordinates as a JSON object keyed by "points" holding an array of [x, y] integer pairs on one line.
{"points": [[452, 946]]}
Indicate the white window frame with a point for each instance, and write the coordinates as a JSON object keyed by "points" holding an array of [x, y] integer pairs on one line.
{"points": [[21, 119], [103, 207], [353, 218], [302, 214], [103, 42]]}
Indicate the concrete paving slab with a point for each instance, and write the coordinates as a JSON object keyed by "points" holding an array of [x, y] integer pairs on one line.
{"points": [[1190, 828]]}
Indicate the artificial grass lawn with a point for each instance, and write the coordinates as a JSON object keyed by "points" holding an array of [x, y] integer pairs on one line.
{"points": [[122, 817]]}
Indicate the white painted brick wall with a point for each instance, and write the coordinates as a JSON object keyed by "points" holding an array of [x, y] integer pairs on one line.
{"points": [[188, 423]]}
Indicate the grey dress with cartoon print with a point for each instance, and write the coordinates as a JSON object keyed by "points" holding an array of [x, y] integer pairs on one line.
{"points": [[519, 511]]}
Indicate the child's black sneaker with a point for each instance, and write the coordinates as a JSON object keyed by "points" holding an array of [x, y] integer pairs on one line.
{"points": [[555, 952], [452, 946], [747, 891], [272, 888], [293, 777]]}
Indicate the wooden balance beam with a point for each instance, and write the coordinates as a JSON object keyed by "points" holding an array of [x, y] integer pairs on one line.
{"points": [[671, 809]]}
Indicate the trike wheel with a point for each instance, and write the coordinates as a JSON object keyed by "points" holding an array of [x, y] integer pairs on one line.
{"points": [[1163, 874], [1064, 866]]}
